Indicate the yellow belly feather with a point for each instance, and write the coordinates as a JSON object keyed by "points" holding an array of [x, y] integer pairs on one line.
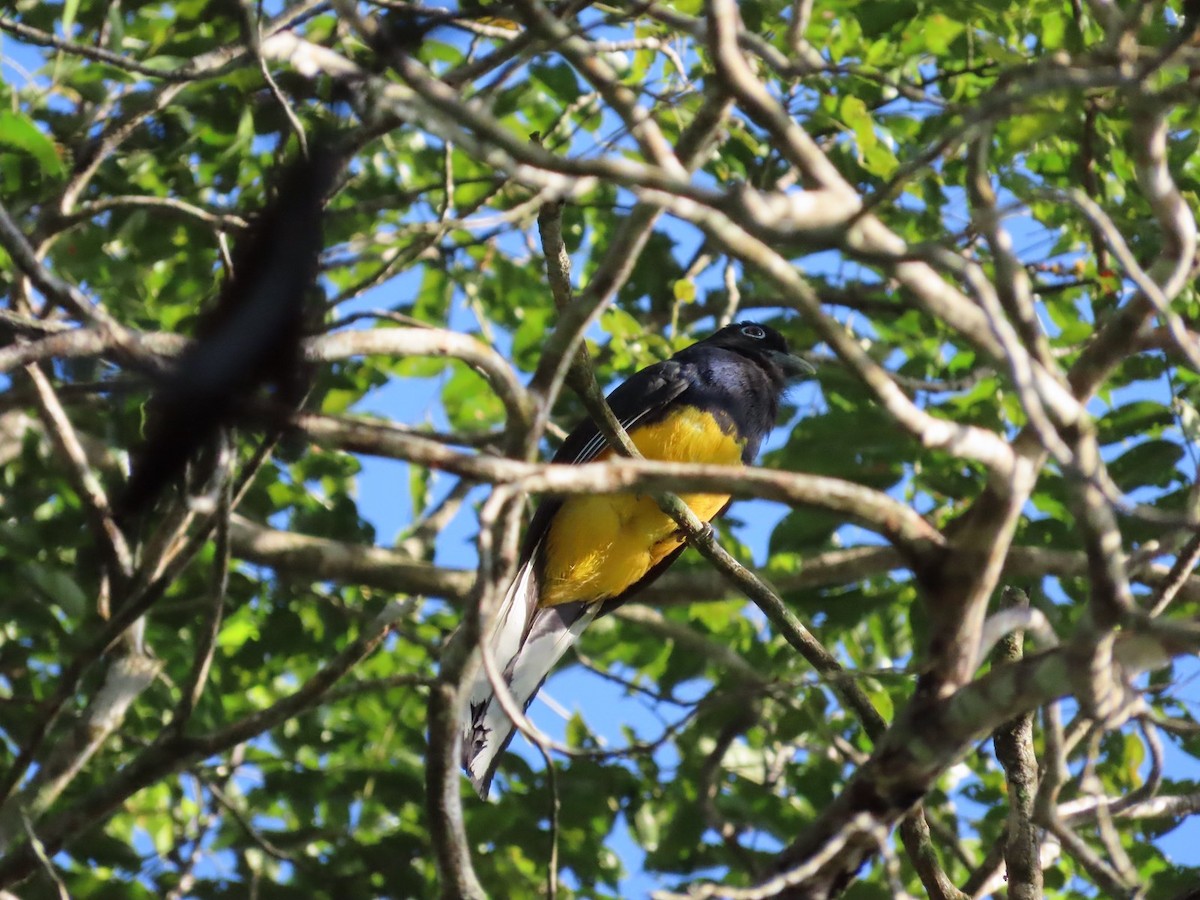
{"points": [[598, 546]]}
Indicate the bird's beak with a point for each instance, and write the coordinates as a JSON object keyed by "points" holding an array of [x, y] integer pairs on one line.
{"points": [[794, 367]]}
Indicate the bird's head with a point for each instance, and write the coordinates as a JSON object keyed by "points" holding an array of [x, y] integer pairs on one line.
{"points": [[765, 345]]}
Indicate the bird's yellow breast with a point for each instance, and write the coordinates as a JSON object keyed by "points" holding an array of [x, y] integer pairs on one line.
{"points": [[599, 546]]}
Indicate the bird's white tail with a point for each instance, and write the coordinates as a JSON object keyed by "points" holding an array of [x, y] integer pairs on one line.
{"points": [[526, 642]]}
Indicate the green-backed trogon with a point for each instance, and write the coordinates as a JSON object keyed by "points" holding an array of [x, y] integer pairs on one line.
{"points": [[584, 555]]}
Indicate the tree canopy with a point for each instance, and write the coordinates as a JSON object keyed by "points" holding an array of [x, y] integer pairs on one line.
{"points": [[947, 648]]}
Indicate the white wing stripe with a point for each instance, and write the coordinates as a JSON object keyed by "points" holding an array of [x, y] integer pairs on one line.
{"points": [[599, 442]]}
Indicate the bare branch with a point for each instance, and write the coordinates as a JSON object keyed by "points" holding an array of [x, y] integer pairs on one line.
{"points": [[1014, 749], [126, 679], [872, 509], [46, 39], [914, 832], [86, 485], [436, 342], [321, 559], [619, 98], [1180, 574]]}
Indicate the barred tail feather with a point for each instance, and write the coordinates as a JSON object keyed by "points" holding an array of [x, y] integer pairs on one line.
{"points": [[526, 642]]}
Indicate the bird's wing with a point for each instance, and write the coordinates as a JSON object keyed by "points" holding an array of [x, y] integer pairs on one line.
{"points": [[636, 401], [645, 393]]}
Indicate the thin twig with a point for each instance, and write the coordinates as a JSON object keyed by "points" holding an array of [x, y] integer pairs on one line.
{"points": [[91, 493], [206, 644], [253, 35], [1181, 570]]}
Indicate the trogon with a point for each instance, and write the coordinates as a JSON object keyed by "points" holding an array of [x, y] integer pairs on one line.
{"points": [[585, 555]]}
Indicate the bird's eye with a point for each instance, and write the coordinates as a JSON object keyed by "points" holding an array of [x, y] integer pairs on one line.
{"points": [[754, 331]]}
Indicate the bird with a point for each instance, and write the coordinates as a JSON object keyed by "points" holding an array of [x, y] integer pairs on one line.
{"points": [[585, 555], [251, 337]]}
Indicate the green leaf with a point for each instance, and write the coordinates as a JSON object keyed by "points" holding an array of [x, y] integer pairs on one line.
{"points": [[470, 402], [559, 79], [939, 32], [58, 587], [577, 731], [646, 827], [70, 11], [18, 132], [1149, 463], [684, 291], [236, 631], [1142, 417]]}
